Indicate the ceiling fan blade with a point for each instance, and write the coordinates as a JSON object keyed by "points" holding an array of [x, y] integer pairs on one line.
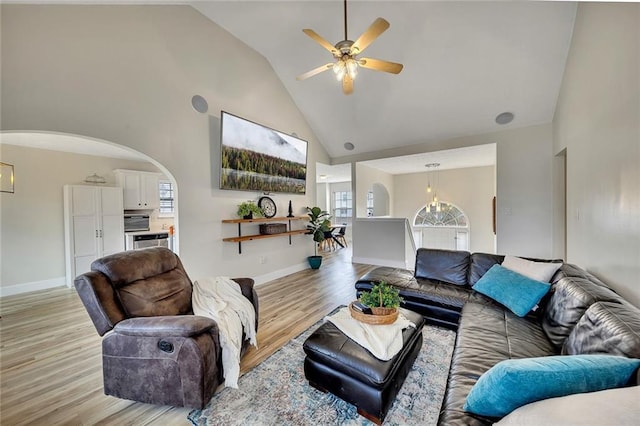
{"points": [[347, 85], [314, 71], [380, 65], [321, 41], [373, 32]]}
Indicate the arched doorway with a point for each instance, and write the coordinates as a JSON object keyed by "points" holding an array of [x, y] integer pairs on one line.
{"points": [[378, 201], [442, 227], [33, 216]]}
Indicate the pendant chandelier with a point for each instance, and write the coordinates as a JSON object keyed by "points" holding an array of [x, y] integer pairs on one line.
{"points": [[433, 181]]}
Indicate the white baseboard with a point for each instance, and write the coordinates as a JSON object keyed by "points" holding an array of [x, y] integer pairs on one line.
{"points": [[261, 279], [379, 262], [32, 286]]}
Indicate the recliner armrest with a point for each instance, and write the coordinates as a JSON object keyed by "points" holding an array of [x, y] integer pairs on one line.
{"points": [[166, 326], [248, 291]]}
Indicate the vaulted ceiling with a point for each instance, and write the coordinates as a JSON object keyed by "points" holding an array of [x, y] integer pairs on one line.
{"points": [[464, 63]]}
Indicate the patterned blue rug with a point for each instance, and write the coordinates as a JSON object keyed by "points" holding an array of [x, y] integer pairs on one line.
{"points": [[276, 393]]}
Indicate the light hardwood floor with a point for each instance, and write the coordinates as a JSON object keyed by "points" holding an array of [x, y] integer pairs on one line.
{"points": [[50, 353]]}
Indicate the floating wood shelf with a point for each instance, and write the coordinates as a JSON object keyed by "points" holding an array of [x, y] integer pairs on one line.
{"points": [[240, 238], [260, 236]]}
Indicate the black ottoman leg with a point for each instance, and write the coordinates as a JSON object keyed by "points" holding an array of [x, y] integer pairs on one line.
{"points": [[369, 417]]}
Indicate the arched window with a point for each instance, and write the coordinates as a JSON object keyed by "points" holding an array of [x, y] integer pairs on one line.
{"points": [[444, 228], [448, 215]]}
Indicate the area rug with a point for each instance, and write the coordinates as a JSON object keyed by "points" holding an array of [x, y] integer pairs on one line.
{"points": [[276, 393]]}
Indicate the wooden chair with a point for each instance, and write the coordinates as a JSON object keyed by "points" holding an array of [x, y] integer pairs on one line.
{"points": [[328, 243], [340, 235]]}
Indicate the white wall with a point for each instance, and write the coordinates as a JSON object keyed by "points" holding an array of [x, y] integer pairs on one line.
{"points": [[597, 120], [32, 246], [383, 241], [470, 189], [525, 193], [322, 196], [126, 74], [365, 178]]}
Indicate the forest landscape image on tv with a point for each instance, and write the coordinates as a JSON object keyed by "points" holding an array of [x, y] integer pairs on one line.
{"points": [[257, 158]]}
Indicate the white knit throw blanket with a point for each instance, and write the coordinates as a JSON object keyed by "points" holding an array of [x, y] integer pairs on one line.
{"points": [[221, 299], [383, 341]]}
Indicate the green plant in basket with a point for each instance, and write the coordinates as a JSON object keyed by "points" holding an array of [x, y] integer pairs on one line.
{"points": [[382, 295], [248, 209]]}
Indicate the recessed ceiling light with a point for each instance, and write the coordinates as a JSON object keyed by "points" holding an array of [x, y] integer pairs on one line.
{"points": [[199, 104], [323, 176], [349, 146], [504, 118]]}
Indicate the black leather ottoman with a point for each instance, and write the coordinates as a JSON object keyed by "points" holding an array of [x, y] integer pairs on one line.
{"points": [[337, 364]]}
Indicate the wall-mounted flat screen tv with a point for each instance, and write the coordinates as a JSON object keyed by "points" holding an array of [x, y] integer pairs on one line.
{"points": [[258, 158]]}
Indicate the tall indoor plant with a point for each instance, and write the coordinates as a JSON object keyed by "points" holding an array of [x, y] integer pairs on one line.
{"points": [[319, 223]]}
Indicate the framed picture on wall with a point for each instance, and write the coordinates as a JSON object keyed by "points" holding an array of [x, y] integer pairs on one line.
{"points": [[6, 178]]}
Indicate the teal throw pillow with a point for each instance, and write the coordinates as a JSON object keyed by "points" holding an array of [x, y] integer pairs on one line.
{"points": [[516, 382], [515, 291]]}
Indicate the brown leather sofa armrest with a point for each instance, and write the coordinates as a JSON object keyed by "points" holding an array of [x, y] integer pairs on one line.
{"points": [[166, 326], [246, 286]]}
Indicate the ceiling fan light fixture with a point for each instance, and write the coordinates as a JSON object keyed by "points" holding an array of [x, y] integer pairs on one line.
{"points": [[344, 53], [352, 68], [339, 69]]}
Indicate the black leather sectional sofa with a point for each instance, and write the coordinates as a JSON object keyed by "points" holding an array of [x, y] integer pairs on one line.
{"points": [[580, 315]]}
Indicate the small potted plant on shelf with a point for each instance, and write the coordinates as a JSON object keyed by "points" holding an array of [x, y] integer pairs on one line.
{"points": [[248, 209], [318, 224], [383, 299]]}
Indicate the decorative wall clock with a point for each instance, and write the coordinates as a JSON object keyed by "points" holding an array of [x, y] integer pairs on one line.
{"points": [[268, 206]]}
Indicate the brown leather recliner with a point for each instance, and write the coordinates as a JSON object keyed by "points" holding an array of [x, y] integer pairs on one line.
{"points": [[155, 350]]}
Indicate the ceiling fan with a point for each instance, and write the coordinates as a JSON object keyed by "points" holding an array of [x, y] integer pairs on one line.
{"points": [[346, 65]]}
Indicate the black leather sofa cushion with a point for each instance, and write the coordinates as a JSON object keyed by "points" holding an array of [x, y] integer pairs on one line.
{"points": [[570, 298], [330, 347], [439, 302], [487, 334], [606, 328], [401, 278], [421, 289], [448, 266], [481, 263]]}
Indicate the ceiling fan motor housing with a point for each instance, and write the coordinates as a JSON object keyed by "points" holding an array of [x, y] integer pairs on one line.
{"points": [[344, 47]]}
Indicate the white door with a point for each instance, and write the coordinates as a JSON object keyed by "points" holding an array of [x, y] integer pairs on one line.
{"points": [[462, 240], [84, 228], [151, 195], [439, 238], [83, 201], [132, 191], [111, 232], [94, 226], [445, 238]]}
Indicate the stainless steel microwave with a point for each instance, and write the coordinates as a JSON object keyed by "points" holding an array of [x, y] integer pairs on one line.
{"points": [[136, 222]]}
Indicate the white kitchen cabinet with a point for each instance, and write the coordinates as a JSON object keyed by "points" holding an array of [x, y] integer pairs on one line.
{"points": [[140, 189], [94, 226]]}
